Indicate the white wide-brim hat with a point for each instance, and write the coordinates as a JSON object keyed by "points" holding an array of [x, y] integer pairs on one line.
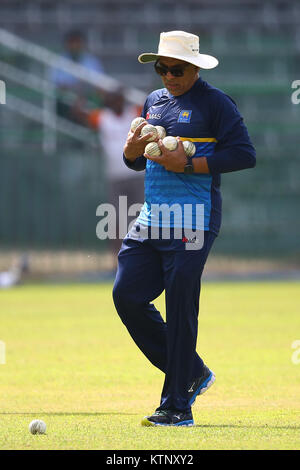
{"points": [[183, 46]]}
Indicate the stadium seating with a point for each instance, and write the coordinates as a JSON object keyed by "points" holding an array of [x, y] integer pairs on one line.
{"points": [[258, 44]]}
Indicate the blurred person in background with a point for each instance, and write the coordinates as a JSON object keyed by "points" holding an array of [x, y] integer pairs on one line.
{"points": [[69, 88], [14, 276], [112, 122]]}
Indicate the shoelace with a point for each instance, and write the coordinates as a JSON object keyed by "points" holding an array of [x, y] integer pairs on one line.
{"points": [[161, 413]]}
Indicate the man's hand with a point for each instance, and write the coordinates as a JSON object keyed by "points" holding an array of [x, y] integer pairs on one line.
{"points": [[174, 160], [135, 144]]}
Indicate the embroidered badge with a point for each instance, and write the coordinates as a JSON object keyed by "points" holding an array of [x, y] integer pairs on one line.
{"points": [[185, 116]]}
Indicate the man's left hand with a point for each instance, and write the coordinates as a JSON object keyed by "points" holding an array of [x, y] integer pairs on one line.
{"points": [[174, 160]]}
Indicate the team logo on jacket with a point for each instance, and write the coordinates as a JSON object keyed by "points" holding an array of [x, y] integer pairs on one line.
{"points": [[185, 116]]}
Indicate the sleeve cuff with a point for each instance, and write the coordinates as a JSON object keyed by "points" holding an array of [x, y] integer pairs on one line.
{"points": [[139, 163]]}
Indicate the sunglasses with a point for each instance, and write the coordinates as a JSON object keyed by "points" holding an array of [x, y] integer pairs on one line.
{"points": [[176, 70]]}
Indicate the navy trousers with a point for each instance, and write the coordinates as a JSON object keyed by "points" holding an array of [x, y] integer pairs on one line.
{"points": [[145, 269]]}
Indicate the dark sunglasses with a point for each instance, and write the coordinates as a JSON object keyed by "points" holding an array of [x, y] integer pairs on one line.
{"points": [[176, 70]]}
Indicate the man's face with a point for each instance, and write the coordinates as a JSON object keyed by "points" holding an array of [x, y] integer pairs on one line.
{"points": [[74, 46], [178, 85]]}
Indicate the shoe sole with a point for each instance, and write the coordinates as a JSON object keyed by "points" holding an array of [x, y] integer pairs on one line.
{"points": [[146, 422], [203, 387]]}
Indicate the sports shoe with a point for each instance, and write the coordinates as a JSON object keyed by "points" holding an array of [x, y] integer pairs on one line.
{"points": [[201, 384], [168, 418]]}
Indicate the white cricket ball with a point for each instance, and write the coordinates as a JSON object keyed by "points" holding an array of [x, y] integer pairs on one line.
{"points": [[147, 129], [161, 132], [37, 426], [170, 143], [136, 122], [153, 149], [189, 148]]}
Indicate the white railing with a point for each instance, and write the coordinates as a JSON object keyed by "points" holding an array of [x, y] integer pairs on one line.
{"points": [[51, 59], [45, 117], [46, 114]]}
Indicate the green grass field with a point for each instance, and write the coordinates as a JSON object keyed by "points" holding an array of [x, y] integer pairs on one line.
{"points": [[71, 362]]}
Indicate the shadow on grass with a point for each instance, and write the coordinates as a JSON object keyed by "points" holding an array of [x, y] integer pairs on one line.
{"points": [[117, 413], [245, 426], [63, 413]]}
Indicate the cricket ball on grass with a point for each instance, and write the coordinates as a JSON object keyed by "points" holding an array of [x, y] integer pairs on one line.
{"points": [[37, 426]]}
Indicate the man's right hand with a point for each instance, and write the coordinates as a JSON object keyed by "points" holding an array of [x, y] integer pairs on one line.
{"points": [[135, 144]]}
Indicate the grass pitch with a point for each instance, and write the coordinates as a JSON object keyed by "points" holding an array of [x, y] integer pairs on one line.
{"points": [[71, 362]]}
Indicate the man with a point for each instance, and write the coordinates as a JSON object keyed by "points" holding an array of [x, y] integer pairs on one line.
{"points": [[190, 109]]}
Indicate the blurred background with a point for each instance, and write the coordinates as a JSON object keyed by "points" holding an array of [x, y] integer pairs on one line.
{"points": [[67, 65]]}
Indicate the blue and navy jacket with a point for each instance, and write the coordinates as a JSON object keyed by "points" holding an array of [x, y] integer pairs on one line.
{"points": [[209, 118]]}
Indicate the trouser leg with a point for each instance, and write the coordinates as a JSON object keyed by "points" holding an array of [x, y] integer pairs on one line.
{"points": [[183, 271], [140, 280]]}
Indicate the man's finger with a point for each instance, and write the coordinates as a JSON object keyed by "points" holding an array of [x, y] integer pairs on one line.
{"points": [[161, 145], [153, 158], [145, 137], [139, 128], [180, 143]]}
